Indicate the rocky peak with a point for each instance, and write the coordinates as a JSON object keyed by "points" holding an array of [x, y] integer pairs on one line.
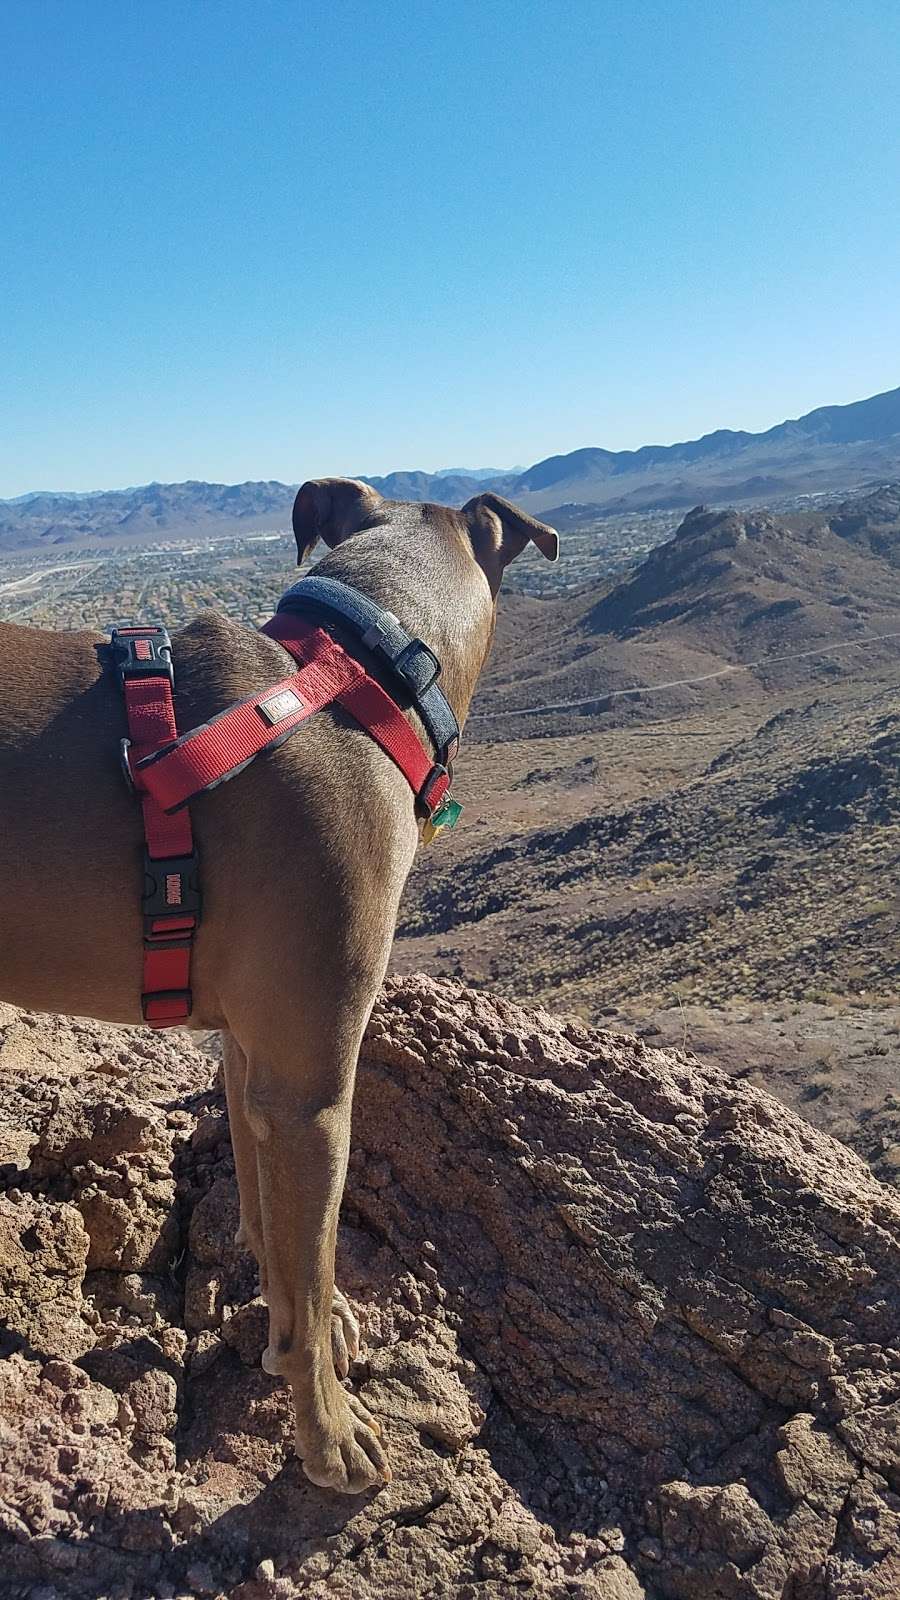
{"points": [[705, 529]]}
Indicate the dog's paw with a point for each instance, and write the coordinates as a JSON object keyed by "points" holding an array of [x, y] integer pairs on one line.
{"points": [[344, 1333], [346, 1454]]}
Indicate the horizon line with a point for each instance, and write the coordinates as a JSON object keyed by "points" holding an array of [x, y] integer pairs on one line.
{"points": [[174, 483]]}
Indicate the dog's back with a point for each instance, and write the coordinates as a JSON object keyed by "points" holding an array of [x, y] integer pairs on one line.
{"points": [[71, 835]]}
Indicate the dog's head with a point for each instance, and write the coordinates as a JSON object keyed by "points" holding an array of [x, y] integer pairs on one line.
{"points": [[490, 529]]}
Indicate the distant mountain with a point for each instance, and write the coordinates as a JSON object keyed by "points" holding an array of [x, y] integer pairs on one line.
{"points": [[441, 488], [835, 448], [156, 511], [479, 474]]}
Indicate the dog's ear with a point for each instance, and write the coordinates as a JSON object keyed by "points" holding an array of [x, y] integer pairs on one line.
{"points": [[500, 531], [331, 509]]}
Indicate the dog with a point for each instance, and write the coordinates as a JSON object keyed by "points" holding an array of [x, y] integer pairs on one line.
{"points": [[304, 857]]}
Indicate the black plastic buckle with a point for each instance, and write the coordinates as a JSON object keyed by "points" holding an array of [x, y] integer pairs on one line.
{"points": [[141, 653], [184, 995], [406, 663], [171, 889]]}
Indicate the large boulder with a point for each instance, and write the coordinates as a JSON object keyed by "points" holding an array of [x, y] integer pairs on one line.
{"points": [[633, 1330]]}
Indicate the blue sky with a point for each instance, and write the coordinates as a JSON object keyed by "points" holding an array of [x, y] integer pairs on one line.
{"points": [[271, 239]]}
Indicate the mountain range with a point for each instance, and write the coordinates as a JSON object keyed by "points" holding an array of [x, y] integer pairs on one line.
{"points": [[833, 448]]}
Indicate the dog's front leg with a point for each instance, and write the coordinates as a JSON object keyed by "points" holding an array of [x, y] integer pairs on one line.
{"points": [[344, 1325], [299, 1115], [249, 1235]]}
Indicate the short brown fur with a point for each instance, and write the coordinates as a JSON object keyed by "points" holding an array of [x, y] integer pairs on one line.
{"points": [[304, 857]]}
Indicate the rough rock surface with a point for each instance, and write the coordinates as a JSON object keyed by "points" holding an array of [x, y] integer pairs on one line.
{"points": [[633, 1328]]}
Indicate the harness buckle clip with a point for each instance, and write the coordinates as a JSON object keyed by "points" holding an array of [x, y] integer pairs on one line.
{"points": [[141, 653], [162, 1007], [415, 664], [171, 892]]}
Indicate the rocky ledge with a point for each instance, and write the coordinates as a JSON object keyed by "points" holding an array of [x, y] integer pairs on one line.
{"points": [[632, 1328]]}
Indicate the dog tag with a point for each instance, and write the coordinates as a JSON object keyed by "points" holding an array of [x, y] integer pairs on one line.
{"points": [[447, 815]]}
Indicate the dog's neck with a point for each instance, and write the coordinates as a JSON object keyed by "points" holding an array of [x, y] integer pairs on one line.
{"points": [[435, 589]]}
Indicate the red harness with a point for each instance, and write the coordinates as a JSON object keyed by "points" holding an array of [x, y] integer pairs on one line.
{"points": [[167, 770]]}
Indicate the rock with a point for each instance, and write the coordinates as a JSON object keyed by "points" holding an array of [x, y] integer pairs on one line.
{"points": [[632, 1330], [653, 1266], [247, 1331], [115, 1158], [43, 1253]]}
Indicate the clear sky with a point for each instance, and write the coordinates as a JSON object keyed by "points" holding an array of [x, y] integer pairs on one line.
{"points": [[280, 238]]}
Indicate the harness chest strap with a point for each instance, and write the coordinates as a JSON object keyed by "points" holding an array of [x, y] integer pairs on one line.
{"points": [[221, 748]]}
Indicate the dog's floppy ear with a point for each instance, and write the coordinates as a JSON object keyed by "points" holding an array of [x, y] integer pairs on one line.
{"points": [[331, 509], [500, 530]]}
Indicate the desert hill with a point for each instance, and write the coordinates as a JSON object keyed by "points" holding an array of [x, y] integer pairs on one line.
{"points": [[771, 874], [832, 448], [872, 520], [733, 581], [729, 590], [717, 859], [631, 1327]]}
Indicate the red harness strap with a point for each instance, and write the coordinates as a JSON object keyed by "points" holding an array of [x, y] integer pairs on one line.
{"points": [[171, 899], [167, 771], [219, 749], [370, 706]]}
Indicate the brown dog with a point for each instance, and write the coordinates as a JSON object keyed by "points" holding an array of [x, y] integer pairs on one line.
{"points": [[304, 858]]}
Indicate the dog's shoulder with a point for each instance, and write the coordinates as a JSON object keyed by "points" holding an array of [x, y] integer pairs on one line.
{"points": [[217, 661]]}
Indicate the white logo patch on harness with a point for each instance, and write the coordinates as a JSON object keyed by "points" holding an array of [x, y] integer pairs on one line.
{"points": [[279, 706]]}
